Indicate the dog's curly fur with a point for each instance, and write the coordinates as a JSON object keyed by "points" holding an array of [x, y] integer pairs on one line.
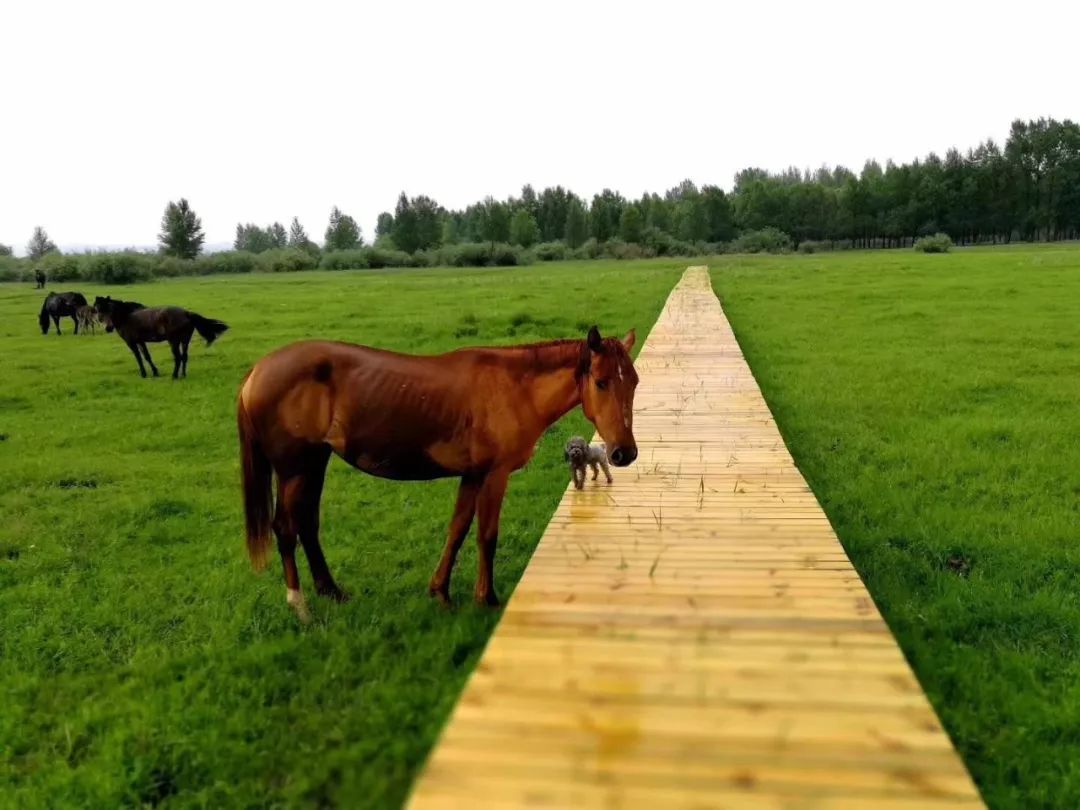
{"points": [[579, 454]]}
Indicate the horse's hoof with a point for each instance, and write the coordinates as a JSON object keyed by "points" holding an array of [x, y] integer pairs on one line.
{"points": [[487, 600], [442, 595], [332, 591]]}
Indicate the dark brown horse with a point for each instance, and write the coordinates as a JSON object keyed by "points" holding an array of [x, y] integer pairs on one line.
{"points": [[139, 325], [60, 305], [476, 414]]}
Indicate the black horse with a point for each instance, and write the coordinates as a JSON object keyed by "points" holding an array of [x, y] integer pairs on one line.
{"points": [[39, 279], [139, 325], [60, 305]]}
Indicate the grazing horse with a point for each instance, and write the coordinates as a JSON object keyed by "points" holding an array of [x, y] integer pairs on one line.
{"points": [[139, 325], [475, 413], [60, 305]]}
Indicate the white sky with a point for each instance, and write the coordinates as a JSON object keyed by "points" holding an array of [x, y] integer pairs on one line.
{"points": [[259, 111]]}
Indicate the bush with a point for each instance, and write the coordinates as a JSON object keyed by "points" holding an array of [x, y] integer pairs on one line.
{"points": [[503, 255], [938, 243], [285, 260], [551, 251], [117, 268], [811, 246], [344, 260], [618, 249], [228, 261], [589, 250], [58, 267], [172, 266], [13, 269], [378, 257], [767, 240]]}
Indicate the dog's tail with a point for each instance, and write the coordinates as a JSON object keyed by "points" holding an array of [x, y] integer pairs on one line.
{"points": [[209, 328]]}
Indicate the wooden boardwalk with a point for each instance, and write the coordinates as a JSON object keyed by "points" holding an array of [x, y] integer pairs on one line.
{"points": [[694, 635]]}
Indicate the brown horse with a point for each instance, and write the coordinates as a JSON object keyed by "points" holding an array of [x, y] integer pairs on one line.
{"points": [[476, 414]]}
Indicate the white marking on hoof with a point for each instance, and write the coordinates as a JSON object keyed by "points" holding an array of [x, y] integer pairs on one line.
{"points": [[297, 603]]}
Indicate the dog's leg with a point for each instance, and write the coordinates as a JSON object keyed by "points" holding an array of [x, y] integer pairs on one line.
{"points": [[607, 471], [595, 469]]}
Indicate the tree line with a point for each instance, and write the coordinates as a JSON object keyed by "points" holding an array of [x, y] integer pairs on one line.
{"points": [[1027, 190]]}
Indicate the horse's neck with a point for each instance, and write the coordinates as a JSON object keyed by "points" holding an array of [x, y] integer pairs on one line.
{"points": [[552, 382]]}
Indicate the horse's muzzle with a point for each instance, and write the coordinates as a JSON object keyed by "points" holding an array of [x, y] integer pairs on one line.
{"points": [[623, 456]]}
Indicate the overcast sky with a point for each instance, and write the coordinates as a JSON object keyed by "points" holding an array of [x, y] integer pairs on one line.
{"points": [[259, 111]]}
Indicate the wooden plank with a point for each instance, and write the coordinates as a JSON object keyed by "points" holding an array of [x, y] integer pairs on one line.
{"points": [[694, 635]]}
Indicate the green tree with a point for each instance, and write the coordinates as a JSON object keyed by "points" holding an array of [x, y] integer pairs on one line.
{"points": [[523, 228], [576, 227], [252, 238], [299, 239], [279, 237], [631, 224], [496, 221], [5, 250], [342, 233], [40, 244], [181, 231], [607, 208], [406, 230], [385, 224]]}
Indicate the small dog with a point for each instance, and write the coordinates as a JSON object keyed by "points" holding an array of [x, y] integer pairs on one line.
{"points": [[580, 453]]}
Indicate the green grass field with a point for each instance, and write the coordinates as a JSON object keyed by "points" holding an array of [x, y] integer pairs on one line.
{"points": [[933, 403], [141, 660]]}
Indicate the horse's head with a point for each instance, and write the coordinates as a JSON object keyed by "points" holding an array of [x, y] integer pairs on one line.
{"points": [[608, 382], [103, 305], [43, 318]]}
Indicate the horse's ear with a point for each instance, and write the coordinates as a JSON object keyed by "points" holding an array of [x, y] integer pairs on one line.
{"points": [[596, 343], [630, 339]]}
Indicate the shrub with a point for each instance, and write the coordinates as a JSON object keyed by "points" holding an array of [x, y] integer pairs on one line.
{"points": [[285, 260], [551, 251], [13, 269], [466, 254], [618, 249], [172, 266], [228, 261], [503, 255], [811, 246], [385, 257], [344, 260], [117, 268], [767, 240], [58, 267], [589, 250], [938, 243]]}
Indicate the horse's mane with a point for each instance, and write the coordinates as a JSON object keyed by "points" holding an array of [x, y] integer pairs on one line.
{"points": [[549, 355]]}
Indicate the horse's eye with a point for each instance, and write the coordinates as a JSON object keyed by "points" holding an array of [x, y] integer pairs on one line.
{"points": [[602, 384]]}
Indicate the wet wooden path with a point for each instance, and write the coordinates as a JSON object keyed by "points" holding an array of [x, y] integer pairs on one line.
{"points": [[694, 635]]}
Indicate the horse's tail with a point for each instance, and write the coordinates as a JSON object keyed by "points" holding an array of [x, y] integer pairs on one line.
{"points": [[43, 318], [257, 477], [209, 328]]}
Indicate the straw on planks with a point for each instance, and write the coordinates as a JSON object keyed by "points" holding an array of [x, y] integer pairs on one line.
{"points": [[694, 635]]}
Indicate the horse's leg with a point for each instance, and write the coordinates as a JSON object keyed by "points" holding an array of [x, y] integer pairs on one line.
{"points": [[75, 320], [138, 359], [286, 530], [308, 505], [488, 507], [56, 320], [175, 346], [146, 354], [455, 536], [184, 346]]}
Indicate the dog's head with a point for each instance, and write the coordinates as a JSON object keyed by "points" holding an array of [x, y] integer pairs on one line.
{"points": [[577, 450]]}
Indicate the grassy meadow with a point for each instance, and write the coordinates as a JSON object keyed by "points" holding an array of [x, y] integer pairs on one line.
{"points": [[933, 403], [142, 662]]}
